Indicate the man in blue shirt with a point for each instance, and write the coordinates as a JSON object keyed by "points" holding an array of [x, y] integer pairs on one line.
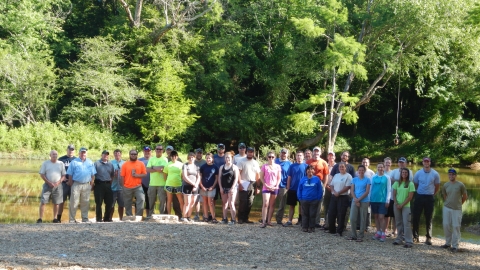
{"points": [[295, 173], [82, 173], [427, 184], [282, 191], [116, 188]]}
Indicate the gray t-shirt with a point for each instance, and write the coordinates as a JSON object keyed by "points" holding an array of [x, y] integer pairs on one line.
{"points": [[192, 172], [104, 170], [454, 193], [248, 169], [53, 170], [200, 162]]}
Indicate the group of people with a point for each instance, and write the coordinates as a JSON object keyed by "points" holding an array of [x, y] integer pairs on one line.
{"points": [[343, 192]]}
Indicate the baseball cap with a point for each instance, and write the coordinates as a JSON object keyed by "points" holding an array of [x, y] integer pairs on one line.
{"points": [[199, 150], [331, 153], [402, 159], [147, 148], [426, 159], [452, 170], [317, 148], [284, 150], [242, 145], [71, 147], [220, 145], [83, 149], [105, 152], [250, 149], [170, 147]]}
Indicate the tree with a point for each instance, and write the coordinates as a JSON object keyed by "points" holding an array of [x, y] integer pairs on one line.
{"points": [[100, 86]]}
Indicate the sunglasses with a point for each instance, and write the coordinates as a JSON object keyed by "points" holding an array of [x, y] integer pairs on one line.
{"points": [[133, 154], [271, 156], [159, 149]]}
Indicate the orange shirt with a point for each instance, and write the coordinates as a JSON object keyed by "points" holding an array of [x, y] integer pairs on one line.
{"points": [[321, 168], [128, 180]]}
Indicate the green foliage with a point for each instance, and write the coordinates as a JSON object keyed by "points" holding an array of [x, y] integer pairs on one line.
{"points": [[346, 55], [307, 27]]}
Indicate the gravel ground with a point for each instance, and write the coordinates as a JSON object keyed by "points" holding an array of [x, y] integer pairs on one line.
{"points": [[142, 245]]}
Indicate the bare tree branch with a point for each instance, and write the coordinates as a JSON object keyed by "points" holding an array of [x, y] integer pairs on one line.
{"points": [[373, 87], [129, 13]]}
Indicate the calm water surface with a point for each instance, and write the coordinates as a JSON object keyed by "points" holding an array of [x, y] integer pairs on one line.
{"points": [[21, 186]]}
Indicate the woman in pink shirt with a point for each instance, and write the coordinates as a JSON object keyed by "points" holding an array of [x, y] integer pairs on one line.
{"points": [[270, 175]]}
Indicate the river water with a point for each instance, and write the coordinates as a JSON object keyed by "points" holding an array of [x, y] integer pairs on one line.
{"points": [[21, 186]]}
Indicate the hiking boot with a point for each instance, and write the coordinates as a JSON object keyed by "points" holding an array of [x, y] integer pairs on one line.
{"points": [[196, 218], [56, 221], [287, 224], [39, 220], [428, 242], [224, 221], [445, 246]]}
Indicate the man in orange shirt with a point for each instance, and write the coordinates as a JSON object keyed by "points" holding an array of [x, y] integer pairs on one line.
{"points": [[321, 171], [131, 174]]}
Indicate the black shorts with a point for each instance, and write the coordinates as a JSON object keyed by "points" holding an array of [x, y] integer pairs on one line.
{"points": [[292, 197], [187, 189], [173, 190], [390, 212]]}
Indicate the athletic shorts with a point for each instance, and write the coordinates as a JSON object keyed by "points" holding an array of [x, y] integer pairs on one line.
{"points": [[66, 191], [187, 189], [292, 198], [208, 193], [378, 208], [275, 192], [173, 190], [390, 210], [118, 198], [56, 193]]}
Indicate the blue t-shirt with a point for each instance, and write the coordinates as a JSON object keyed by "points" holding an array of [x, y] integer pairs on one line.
{"points": [[219, 161], [284, 164], [146, 179], [209, 174], [380, 189], [296, 171], [117, 166], [361, 187], [426, 181], [310, 189], [81, 171]]}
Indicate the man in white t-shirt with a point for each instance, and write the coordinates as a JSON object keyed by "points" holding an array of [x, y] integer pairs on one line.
{"points": [[249, 175], [52, 173]]}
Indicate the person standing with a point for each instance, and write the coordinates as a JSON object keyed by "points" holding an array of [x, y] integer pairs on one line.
{"points": [[309, 193], [173, 183], [190, 182], [249, 175], [394, 177], [403, 191], [52, 173], [82, 172], [308, 154], [282, 191], [208, 183], [131, 174], [66, 159], [242, 153], [228, 180], [360, 190], [328, 194], [427, 184], [321, 171], [454, 195], [199, 161], [380, 193], [147, 153], [102, 187], [156, 188], [270, 175], [295, 173], [340, 187], [350, 170], [219, 160], [116, 187]]}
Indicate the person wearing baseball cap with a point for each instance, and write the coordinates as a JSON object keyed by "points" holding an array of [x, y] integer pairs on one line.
{"points": [[102, 187], [284, 163], [427, 184], [66, 159], [454, 195], [242, 153]]}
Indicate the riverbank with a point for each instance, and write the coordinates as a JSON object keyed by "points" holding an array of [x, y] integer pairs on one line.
{"points": [[123, 245]]}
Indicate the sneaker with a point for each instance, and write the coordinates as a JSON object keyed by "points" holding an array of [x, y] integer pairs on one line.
{"points": [[196, 218], [287, 224], [39, 220], [382, 238], [240, 221], [233, 222], [86, 221], [395, 243], [407, 246], [224, 221], [182, 219], [56, 221], [72, 221], [376, 236], [428, 242], [445, 246], [189, 220], [454, 250], [214, 221], [416, 240], [279, 222]]}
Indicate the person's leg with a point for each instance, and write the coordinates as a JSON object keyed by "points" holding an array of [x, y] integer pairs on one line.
{"points": [[417, 212], [225, 198], [121, 205], [128, 201], [74, 201], [177, 206], [363, 216], [456, 225], [211, 205], [429, 205], [251, 196], [306, 214], [190, 204], [152, 198], [332, 214], [242, 204], [319, 210], [314, 205], [265, 203], [407, 230], [354, 213], [271, 207], [326, 205], [399, 223], [98, 196], [205, 207], [66, 195], [44, 198], [169, 203], [342, 213], [231, 202], [108, 202], [41, 210], [281, 200], [140, 201], [447, 225], [291, 211], [185, 206], [382, 222], [85, 200], [146, 205]]}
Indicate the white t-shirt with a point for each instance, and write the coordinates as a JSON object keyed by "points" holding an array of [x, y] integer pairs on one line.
{"points": [[53, 170], [340, 181], [248, 169]]}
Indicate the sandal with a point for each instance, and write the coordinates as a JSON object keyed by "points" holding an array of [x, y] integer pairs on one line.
{"points": [[263, 225], [270, 224]]}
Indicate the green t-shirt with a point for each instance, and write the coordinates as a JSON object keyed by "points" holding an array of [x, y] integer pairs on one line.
{"points": [[454, 192], [156, 178], [174, 174], [402, 191]]}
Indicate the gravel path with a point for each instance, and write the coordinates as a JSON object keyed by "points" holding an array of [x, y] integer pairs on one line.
{"points": [[206, 246]]}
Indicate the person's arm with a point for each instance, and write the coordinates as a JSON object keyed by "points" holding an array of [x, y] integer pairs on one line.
{"points": [[262, 178], [143, 171], [326, 173], [219, 181], [197, 179], [389, 189], [437, 187], [44, 178], [121, 181], [279, 177], [464, 197], [352, 191], [215, 183], [319, 189], [185, 175], [408, 199]]}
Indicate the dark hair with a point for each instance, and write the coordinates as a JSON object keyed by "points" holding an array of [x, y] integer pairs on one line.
{"points": [[191, 154], [362, 166], [310, 167], [407, 182], [299, 152], [174, 154], [117, 151]]}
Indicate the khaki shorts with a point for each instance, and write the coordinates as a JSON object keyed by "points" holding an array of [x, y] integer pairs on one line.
{"points": [[56, 193]]}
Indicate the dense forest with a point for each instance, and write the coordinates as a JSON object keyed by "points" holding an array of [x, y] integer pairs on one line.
{"points": [[398, 78]]}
